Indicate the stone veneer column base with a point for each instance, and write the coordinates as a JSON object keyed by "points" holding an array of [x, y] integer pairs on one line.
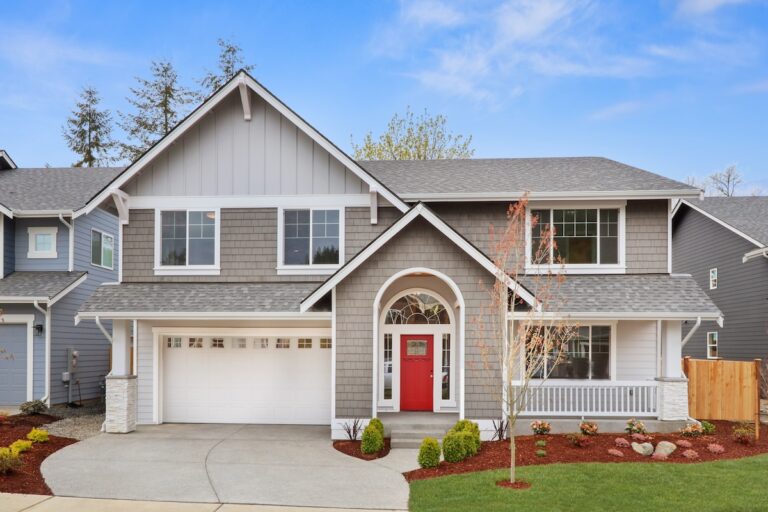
{"points": [[121, 404], [673, 398]]}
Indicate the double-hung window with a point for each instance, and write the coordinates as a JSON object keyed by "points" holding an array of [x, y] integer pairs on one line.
{"points": [[586, 356], [102, 249], [712, 339], [187, 241], [312, 238]]}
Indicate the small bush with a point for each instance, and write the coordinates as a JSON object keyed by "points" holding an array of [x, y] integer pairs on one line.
{"points": [[659, 456], [715, 448], [692, 430], [620, 442], [21, 446], [429, 453], [353, 428], [635, 427], [682, 443], [10, 460], [708, 428], [540, 427], [471, 428], [615, 452], [33, 407], [588, 428], [744, 433], [691, 454], [376, 422], [579, 440], [540, 443], [454, 447], [541, 453], [38, 435], [471, 443], [372, 440]]}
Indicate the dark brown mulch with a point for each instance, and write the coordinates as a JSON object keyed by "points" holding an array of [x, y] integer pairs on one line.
{"points": [[496, 454], [352, 448], [28, 478], [517, 485]]}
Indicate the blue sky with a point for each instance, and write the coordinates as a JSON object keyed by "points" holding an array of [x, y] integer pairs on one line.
{"points": [[679, 87]]}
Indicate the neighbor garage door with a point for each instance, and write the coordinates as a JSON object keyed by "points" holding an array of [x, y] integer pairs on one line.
{"points": [[234, 379], [13, 364]]}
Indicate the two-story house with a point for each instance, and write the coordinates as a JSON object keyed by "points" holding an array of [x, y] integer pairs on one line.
{"points": [[273, 279], [51, 259]]}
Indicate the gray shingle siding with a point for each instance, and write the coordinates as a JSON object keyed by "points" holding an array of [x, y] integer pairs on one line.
{"points": [[9, 247], [646, 236], [699, 244]]}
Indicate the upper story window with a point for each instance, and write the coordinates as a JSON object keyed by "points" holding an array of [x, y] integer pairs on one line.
{"points": [[102, 249], [42, 242], [310, 239], [712, 339], [576, 237], [713, 279], [187, 241]]}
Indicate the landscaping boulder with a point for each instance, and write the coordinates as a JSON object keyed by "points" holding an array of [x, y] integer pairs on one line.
{"points": [[665, 448], [644, 449]]}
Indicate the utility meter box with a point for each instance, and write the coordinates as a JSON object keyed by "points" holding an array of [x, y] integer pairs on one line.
{"points": [[72, 360]]}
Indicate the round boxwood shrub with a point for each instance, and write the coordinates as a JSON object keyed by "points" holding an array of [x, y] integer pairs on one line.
{"points": [[472, 429], [454, 447], [372, 441], [9, 460], [429, 453], [376, 422]]}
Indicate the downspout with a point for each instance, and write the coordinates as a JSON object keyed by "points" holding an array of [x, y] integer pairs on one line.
{"points": [[691, 332], [71, 227], [109, 338], [47, 313]]}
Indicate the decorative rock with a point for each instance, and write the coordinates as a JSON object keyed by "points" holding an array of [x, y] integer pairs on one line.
{"points": [[682, 443], [621, 442], [615, 452], [644, 449], [659, 456], [665, 448]]}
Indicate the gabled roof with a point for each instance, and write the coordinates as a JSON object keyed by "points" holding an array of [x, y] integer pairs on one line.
{"points": [[243, 81], [492, 179], [420, 210], [45, 287], [745, 216], [5, 161]]}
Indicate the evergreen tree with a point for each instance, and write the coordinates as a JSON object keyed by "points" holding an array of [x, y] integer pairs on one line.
{"points": [[159, 104], [230, 62], [88, 131]]}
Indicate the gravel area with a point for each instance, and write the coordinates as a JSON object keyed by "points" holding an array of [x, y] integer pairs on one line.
{"points": [[77, 427], [89, 408]]}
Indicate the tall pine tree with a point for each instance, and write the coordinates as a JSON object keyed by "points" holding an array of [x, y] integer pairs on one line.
{"points": [[230, 62], [159, 103], [88, 131]]}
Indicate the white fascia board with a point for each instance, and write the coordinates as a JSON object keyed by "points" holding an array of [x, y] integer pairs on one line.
{"points": [[756, 253], [14, 299], [5, 156], [627, 315], [42, 213], [80, 280], [204, 315], [5, 211], [553, 196], [254, 201], [394, 229], [722, 223]]}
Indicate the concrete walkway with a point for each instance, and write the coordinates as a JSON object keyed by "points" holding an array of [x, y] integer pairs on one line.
{"points": [[248, 464]]}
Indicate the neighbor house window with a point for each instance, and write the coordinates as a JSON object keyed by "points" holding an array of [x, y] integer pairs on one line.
{"points": [[188, 239], [42, 242], [102, 249], [311, 237], [586, 355], [712, 345], [588, 236], [713, 279]]}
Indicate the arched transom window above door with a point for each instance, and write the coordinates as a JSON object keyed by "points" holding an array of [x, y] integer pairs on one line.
{"points": [[417, 308]]}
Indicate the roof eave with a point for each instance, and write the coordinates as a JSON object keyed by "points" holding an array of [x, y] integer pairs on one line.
{"points": [[552, 195], [42, 213], [619, 315], [204, 315]]}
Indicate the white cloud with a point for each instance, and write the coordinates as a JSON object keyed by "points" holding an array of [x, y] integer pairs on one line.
{"points": [[616, 110], [698, 7], [425, 13]]}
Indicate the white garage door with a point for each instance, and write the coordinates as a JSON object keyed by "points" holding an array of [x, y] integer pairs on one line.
{"points": [[248, 379]]}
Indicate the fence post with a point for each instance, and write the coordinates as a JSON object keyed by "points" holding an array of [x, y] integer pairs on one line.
{"points": [[686, 365], [757, 392]]}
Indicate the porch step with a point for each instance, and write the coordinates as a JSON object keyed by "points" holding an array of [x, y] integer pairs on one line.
{"points": [[412, 437]]}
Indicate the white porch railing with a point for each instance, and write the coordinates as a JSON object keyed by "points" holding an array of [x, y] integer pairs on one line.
{"points": [[591, 398]]}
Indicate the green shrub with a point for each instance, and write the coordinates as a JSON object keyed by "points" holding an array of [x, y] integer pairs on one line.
{"points": [[33, 407], [372, 441], [472, 429], [10, 460], [454, 447], [540, 443], [429, 453], [38, 435], [20, 445], [471, 446], [541, 453], [376, 422], [708, 428]]}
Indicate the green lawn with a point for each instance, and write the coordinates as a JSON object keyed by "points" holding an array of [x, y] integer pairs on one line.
{"points": [[730, 485]]}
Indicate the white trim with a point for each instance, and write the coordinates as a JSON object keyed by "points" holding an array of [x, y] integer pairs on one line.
{"points": [[722, 223], [32, 232], [626, 315], [120, 252], [206, 107], [53, 300], [2, 246], [251, 201], [755, 253], [101, 252], [333, 355], [713, 279], [5, 156], [5, 211], [669, 236], [34, 214], [552, 195], [394, 229], [29, 320], [311, 269], [245, 99], [715, 344], [70, 242], [187, 270], [202, 315]]}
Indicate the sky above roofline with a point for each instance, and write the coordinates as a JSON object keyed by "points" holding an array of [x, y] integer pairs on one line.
{"points": [[676, 87]]}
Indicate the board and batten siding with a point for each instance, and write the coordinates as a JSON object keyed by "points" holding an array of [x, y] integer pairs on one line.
{"points": [[22, 262], [86, 337], [636, 350], [9, 246], [700, 244], [225, 155]]}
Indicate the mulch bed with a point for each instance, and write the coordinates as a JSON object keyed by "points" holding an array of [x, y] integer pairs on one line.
{"points": [[28, 478], [352, 448], [496, 454]]}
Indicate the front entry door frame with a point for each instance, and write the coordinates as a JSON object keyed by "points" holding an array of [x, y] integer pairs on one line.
{"points": [[417, 374]]}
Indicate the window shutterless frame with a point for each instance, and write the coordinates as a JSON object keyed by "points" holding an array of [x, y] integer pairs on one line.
{"points": [[33, 251], [181, 270], [312, 268], [712, 348], [103, 235], [713, 279]]}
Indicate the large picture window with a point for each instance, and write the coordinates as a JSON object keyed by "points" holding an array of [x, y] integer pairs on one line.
{"points": [[587, 236], [311, 237], [102, 249], [188, 238], [587, 355]]}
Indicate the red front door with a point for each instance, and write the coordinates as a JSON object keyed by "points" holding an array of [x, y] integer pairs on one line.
{"points": [[416, 365]]}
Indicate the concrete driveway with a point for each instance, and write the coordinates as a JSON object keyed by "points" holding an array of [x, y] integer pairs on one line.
{"points": [[257, 464]]}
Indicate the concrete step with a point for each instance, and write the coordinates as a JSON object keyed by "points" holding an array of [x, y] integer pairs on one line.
{"points": [[420, 428], [406, 435], [413, 443]]}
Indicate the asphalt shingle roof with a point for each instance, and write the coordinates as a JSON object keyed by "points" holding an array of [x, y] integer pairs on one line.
{"points": [[623, 293], [62, 188], [198, 297], [37, 284], [515, 175], [747, 214]]}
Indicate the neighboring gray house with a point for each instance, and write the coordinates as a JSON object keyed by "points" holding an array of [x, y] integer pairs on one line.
{"points": [[53, 258], [723, 243], [273, 279]]}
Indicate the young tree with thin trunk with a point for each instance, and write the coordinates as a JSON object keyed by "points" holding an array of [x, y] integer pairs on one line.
{"points": [[526, 349], [159, 104], [88, 131], [230, 62], [411, 137]]}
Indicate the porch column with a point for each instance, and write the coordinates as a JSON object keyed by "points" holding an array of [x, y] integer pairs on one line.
{"points": [[121, 385], [673, 385]]}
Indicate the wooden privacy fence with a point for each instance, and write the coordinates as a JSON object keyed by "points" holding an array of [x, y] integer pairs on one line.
{"points": [[724, 390]]}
